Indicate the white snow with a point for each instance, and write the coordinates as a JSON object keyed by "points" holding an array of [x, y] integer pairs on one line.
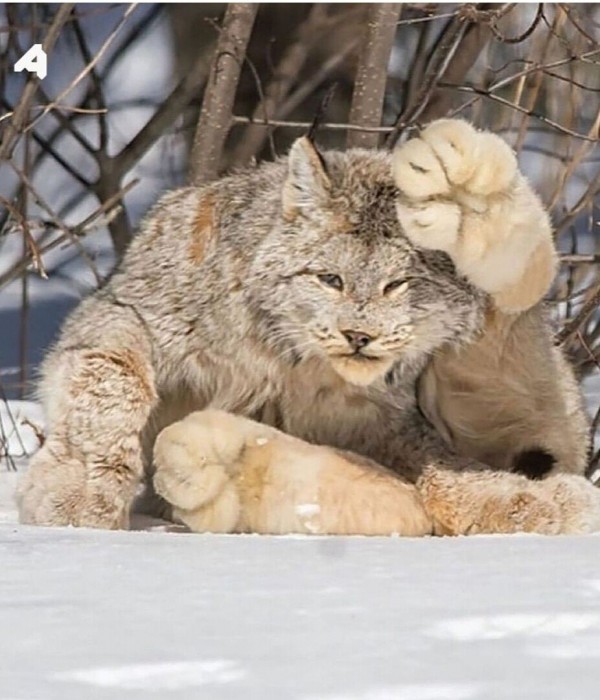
{"points": [[308, 510], [91, 614], [161, 613], [161, 676], [505, 626]]}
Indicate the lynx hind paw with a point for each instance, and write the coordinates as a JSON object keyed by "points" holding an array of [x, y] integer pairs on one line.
{"points": [[464, 504], [484, 503], [494, 503], [450, 154], [195, 459], [578, 500]]}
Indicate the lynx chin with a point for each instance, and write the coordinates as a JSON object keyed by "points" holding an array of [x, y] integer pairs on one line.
{"points": [[323, 318]]}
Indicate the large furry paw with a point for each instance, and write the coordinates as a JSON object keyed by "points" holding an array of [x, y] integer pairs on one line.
{"points": [[225, 473], [462, 193], [59, 489], [466, 503], [196, 461]]}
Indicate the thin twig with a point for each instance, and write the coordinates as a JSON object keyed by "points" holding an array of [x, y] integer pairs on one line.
{"points": [[285, 75], [528, 112], [21, 114], [307, 125], [572, 326], [69, 234], [87, 68]]}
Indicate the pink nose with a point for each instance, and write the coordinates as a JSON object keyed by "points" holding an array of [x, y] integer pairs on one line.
{"points": [[356, 339]]}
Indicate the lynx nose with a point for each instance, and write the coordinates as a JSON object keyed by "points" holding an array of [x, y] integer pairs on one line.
{"points": [[356, 339]]}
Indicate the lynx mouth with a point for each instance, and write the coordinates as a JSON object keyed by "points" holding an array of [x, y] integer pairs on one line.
{"points": [[360, 369], [358, 356]]}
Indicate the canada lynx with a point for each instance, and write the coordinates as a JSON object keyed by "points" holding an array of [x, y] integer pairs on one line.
{"points": [[339, 298]]}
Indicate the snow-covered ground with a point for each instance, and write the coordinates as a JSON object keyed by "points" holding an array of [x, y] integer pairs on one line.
{"points": [[146, 614], [157, 613]]}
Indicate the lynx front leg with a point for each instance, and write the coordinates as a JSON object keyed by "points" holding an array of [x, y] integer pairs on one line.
{"points": [[225, 473], [86, 473], [495, 502], [463, 194]]}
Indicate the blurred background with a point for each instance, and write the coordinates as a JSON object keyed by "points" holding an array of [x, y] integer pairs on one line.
{"points": [[142, 98]]}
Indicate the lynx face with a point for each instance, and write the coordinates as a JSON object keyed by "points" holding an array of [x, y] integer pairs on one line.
{"points": [[337, 278]]}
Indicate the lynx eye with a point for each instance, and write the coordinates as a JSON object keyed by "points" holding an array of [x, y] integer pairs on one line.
{"points": [[333, 281], [396, 286]]}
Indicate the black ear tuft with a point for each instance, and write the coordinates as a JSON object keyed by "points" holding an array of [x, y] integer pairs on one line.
{"points": [[321, 113]]}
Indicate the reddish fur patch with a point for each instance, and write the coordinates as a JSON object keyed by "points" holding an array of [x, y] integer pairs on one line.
{"points": [[204, 228]]}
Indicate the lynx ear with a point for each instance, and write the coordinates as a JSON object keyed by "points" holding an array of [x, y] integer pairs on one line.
{"points": [[307, 185]]}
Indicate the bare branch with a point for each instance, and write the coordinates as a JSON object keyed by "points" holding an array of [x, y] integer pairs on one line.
{"points": [[307, 125], [106, 209], [87, 69], [165, 115], [219, 96], [476, 37], [573, 325], [523, 110], [21, 113], [446, 46], [371, 74]]}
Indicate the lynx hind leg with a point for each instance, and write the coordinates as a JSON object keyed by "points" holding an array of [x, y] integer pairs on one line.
{"points": [[225, 473], [463, 194], [470, 503]]}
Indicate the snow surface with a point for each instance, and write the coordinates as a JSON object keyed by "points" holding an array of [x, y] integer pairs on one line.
{"points": [[162, 613], [91, 614]]}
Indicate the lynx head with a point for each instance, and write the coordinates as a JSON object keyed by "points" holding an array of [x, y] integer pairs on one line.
{"points": [[337, 278]]}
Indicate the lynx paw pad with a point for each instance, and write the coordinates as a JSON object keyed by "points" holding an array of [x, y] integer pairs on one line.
{"points": [[192, 460], [449, 176], [451, 154], [462, 193]]}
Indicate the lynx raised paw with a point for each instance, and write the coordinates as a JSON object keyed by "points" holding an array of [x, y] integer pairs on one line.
{"points": [[59, 489], [462, 193], [465, 503]]}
